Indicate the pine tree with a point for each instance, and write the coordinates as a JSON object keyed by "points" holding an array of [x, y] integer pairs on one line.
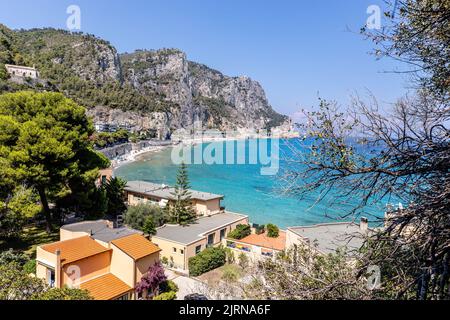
{"points": [[44, 144], [182, 211], [115, 194]]}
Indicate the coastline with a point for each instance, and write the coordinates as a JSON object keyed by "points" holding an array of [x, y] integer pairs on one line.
{"points": [[137, 155], [134, 155]]}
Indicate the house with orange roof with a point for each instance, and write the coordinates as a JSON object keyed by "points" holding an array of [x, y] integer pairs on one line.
{"points": [[257, 246], [93, 255]]}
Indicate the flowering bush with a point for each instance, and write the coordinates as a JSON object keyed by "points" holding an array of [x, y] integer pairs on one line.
{"points": [[151, 281]]}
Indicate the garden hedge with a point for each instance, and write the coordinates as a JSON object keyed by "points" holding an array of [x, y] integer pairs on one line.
{"points": [[208, 259]]}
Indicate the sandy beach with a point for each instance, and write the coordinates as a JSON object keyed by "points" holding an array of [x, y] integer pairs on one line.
{"points": [[136, 155]]}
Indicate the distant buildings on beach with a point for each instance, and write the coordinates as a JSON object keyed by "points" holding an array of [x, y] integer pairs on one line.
{"points": [[111, 127]]}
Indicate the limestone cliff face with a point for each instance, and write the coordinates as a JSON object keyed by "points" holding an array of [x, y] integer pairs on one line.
{"points": [[135, 121], [203, 94], [165, 72], [241, 97], [94, 61]]}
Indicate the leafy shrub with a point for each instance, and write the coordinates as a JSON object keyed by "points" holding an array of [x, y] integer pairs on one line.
{"points": [[17, 207], [16, 284], [243, 260], [171, 295], [63, 294], [272, 231], [9, 256], [30, 266], [115, 191], [260, 229], [230, 255], [230, 273], [136, 216], [149, 226], [168, 286], [208, 259], [241, 231], [106, 139], [3, 72]]}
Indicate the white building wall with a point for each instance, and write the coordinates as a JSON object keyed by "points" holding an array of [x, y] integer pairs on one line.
{"points": [[20, 71]]}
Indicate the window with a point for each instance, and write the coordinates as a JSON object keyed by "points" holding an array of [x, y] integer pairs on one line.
{"points": [[198, 249], [211, 239], [51, 277], [174, 249], [222, 234], [140, 199], [181, 251]]}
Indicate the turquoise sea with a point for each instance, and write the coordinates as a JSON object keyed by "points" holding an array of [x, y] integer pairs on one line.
{"points": [[264, 198]]}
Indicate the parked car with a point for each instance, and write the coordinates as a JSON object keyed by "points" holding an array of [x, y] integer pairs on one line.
{"points": [[195, 296]]}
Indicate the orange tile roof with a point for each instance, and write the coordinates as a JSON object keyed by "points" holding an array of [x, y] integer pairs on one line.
{"points": [[262, 240], [75, 249], [106, 287], [136, 246]]}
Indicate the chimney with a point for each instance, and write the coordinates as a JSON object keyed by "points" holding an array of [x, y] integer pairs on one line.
{"points": [[364, 225], [110, 224], [58, 269]]}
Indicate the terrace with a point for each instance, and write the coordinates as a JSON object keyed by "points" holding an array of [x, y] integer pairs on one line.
{"points": [[259, 244], [329, 237]]}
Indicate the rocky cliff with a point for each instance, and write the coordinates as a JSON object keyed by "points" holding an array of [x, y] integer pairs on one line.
{"points": [[159, 89], [202, 94]]}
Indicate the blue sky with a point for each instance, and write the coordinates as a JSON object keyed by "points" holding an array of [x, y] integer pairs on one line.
{"points": [[298, 50]]}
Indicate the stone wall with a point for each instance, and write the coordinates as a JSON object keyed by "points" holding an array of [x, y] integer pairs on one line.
{"points": [[125, 148]]}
